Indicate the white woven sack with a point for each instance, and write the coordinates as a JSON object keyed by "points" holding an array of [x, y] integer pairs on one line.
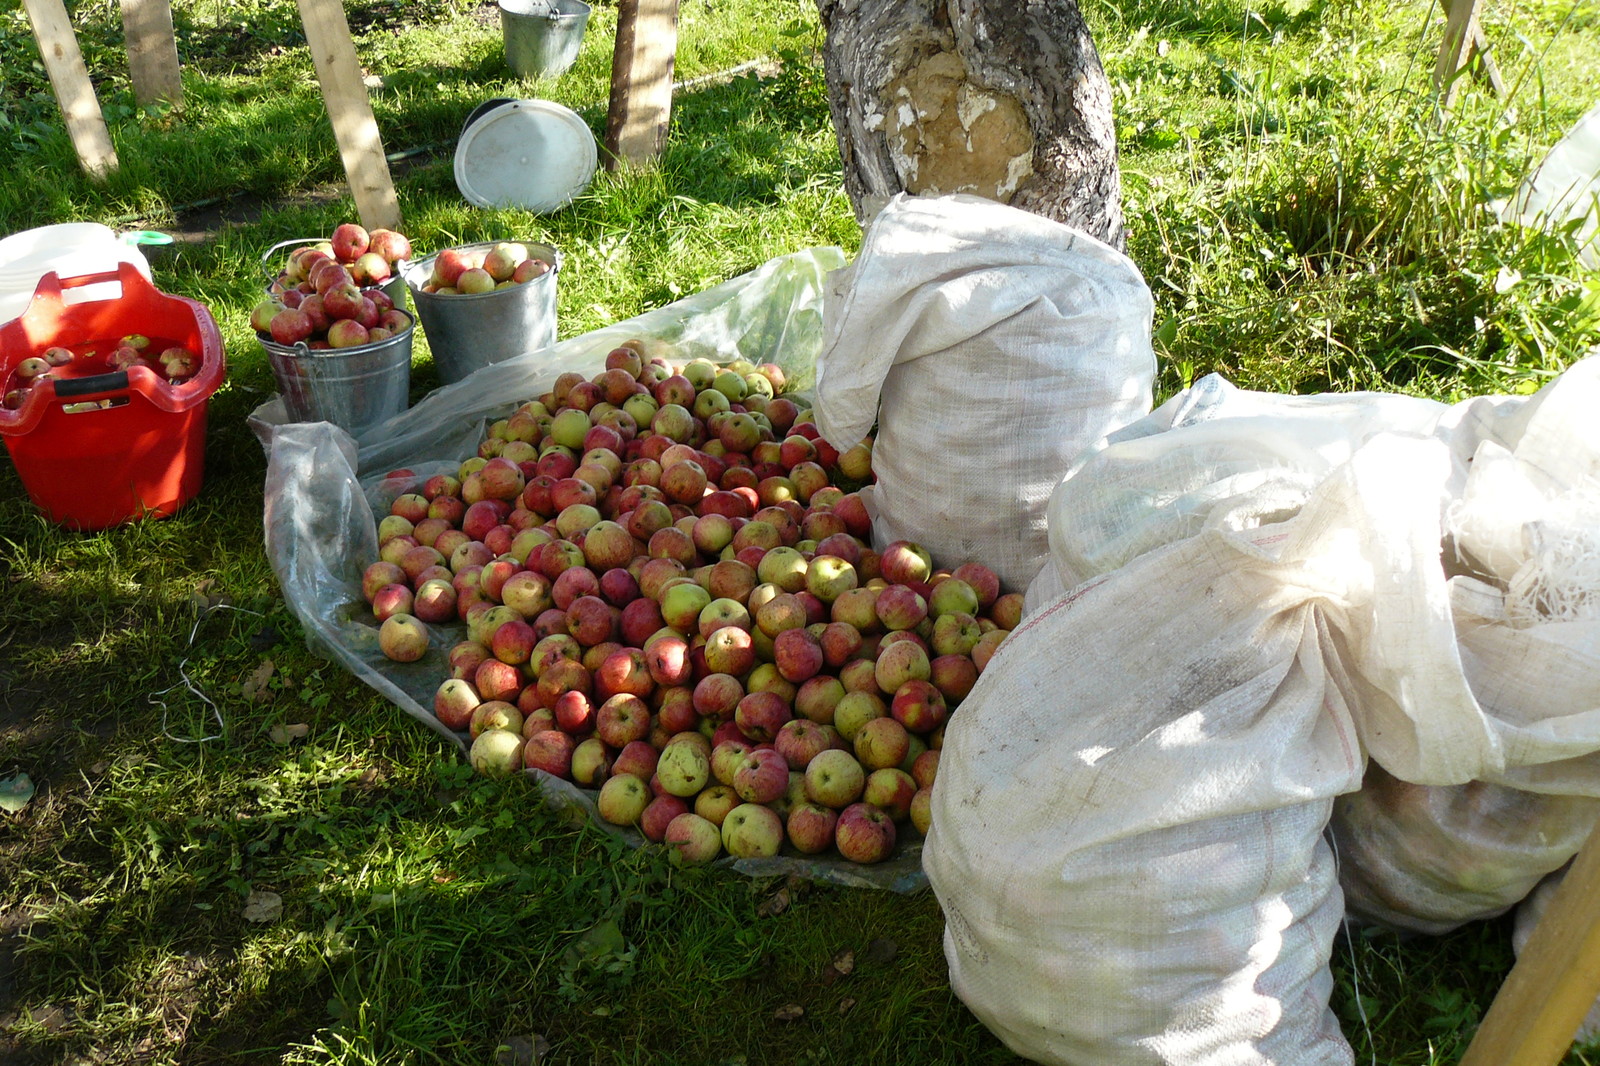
{"points": [[1427, 859], [991, 346], [1223, 688]]}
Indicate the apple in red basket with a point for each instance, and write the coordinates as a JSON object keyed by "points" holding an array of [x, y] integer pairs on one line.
{"points": [[350, 241], [692, 840], [864, 834], [752, 831]]}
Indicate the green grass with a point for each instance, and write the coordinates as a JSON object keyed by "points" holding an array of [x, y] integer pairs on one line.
{"points": [[1305, 217]]}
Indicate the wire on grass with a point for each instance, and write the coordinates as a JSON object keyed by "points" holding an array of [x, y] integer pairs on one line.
{"points": [[185, 681]]}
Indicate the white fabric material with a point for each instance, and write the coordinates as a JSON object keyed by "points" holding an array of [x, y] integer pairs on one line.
{"points": [[1257, 602], [991, 346]]}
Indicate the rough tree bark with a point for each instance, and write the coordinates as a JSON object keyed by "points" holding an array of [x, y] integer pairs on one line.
{"points": [[999, 98]]}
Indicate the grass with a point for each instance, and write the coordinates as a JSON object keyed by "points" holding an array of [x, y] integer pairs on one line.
{"points": [[1305, 216]]}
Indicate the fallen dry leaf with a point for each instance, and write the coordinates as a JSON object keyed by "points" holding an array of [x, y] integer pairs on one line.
{"points": [[846, 1004], [789, 1012], [283, 734], [262, 906], [775, 904], [882, 951], [256, 686], [844, 962]]}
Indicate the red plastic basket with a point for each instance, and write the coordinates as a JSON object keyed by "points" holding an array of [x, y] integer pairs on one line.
{"points": [[97, 447]]}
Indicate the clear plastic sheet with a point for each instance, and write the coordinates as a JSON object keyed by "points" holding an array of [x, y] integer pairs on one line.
{"points": [[324, 487]]}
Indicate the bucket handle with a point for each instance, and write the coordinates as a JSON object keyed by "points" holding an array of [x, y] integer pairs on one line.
{"points": [[52, 286], [113, 381]]}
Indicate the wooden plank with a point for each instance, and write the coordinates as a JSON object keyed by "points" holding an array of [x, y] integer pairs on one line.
{"points": [[152, 51], [1459, 35], [1544, 999], [641, 81], [80, 109], [354, 127]]}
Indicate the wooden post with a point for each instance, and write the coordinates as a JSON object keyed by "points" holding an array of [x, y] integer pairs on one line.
{"points": [[152, 51], [63, 61], [1538, 1010], [641, 81], [1463, 39], [349, 109]]}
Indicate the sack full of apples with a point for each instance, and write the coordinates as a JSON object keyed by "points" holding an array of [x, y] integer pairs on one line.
{"points": [[657, 585]]}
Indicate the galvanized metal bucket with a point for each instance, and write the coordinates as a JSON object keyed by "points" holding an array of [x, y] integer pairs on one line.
{"points": [[351, 387], [466, 332], [542, 36]]}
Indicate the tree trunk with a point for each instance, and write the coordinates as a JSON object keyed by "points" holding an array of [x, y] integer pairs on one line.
{"points": [[999, 98]]}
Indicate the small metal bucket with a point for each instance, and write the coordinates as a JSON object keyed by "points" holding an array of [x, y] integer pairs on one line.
{"points": [[466, 332], [351, 387], [542, 36]]}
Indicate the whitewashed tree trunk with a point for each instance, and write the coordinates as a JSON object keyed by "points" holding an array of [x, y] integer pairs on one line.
{"points": [[999, 98]]}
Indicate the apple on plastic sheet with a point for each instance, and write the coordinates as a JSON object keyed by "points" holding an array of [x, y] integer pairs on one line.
{"points": [[810, 826], [683, 769], [403, 638], [692, 840], [834, 778], [623, 799], [659, 815], [864, 834], [550, 750], [496, 753], [751, 830], [762, 777], [453, 703]]}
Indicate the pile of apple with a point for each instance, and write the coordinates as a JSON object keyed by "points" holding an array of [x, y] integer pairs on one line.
{"points": [[670, 597], [175, 363], [470, 271], [330, 295]]}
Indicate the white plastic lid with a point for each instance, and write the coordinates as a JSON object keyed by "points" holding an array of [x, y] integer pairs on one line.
{"points": [[535, 154], [69, 250]]}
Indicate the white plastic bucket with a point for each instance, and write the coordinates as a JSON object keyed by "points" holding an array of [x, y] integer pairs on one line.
{"points": [[69, 250]]}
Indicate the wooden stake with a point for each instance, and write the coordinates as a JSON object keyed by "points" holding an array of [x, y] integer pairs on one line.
{"points": [[1463, 38], [152, 51], [1544, 999], [354, 127], [63, 61], [641, 81]]}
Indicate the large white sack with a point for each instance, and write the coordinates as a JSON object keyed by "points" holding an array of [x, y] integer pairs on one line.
{"points": [[1429, 859], [1240, 668], [990, 345], [1127, 827]]}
